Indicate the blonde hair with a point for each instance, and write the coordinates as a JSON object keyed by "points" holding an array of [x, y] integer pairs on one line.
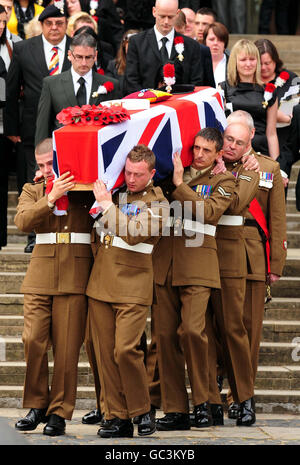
{"points": [[33, 28], [250, 49], [78, 17]]}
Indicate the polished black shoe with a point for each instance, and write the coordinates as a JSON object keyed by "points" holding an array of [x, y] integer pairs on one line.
{"points": [[34, 417], [233, 410], [217, 414], [202, 414], [30, 246], [192, 419], [92, 418], [56, 426], [246, 415], [220, 380], [136, 420], [173, 422], [147, 424], [116, 428]]}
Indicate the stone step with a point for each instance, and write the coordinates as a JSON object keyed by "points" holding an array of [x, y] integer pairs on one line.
{"points": [[280, 330], [267, 401], [280, 353], [13, 373], [271, 353], [281, 308], [269, 377], [286, 287], [11, 304], [11, 325], [10, 282], [14, 260]]}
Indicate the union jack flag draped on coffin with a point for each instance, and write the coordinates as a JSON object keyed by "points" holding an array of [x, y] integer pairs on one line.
{"points": [[91, 152]]}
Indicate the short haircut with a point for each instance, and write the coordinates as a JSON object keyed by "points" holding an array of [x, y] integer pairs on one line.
{"points": [[80, 17], [220, 31], [250, 49], [266, 46], [45, 146], [211, 134], [141, 152], [83, 40], [207, 11], [242, 117]]}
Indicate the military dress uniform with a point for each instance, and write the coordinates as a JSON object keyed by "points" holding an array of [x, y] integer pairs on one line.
{"points": [[55, 305], [120, 291], [270, 196], [227, 303], [183, 279]]}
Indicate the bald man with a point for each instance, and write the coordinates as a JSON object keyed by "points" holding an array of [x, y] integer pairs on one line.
{"points": [[150, 50]]}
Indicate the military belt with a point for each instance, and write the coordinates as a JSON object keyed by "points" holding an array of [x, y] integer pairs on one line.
{"points": [[191, 225], [63, 238], [231, 220], [115, 241]]}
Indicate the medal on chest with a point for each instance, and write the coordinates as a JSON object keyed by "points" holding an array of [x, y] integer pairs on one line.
{"points": [[266, 179], [203, 190], [130, 209]]}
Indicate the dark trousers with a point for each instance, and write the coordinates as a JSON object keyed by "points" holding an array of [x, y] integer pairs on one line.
{"points": [[281, 16]]}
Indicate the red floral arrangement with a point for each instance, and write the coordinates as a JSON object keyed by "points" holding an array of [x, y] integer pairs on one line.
{"points": [[269, 90], [92, 115], [179, 47], [282, 78]]}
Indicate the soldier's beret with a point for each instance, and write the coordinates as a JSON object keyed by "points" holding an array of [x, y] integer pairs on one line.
{"points": [[53, 11]]}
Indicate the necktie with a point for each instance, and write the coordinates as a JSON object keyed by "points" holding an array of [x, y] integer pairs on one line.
{"points": [[163, 51], [54, 62], [81, 94]]}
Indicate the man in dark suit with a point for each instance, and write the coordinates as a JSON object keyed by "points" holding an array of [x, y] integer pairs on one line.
{"points": [[151, 49], [77, 86], [30, 63]]}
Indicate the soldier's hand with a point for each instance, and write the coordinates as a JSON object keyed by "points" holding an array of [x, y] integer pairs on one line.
{"points": [[178, 170], [102, 195], [60, 186], [250, 163], [272, 278], [219, 167]]}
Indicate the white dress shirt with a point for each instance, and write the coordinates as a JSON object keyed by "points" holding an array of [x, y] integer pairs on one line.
{"points": [[49, 52], [170, 38], [220, 71], [88, 77]]}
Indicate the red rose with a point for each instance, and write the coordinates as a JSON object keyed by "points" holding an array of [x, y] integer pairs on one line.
{"points": [[270, 87], [284, 75], [109, 86], [169, 70], [178, 40], [100, 71]]}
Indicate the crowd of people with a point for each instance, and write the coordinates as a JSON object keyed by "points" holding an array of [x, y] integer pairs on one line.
{"points": [[94, 281]]}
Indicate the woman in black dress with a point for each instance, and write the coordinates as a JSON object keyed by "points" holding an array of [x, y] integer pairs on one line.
{"points": [[244, 90], [287, 89]]}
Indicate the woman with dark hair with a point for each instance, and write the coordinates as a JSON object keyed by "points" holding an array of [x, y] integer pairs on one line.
{"points": [[287, 86], [216, 37], [116, 67], [244, 90], [23, 11]]}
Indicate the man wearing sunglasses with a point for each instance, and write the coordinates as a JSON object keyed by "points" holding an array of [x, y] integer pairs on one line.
{"points": [[77, 86]]}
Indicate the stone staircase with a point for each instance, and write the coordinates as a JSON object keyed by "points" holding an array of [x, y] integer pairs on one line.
{"points": [[278, 381]]}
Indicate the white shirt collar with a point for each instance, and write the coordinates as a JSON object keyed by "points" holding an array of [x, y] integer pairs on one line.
{"points": [[88, 76], [49, 46], [159, 36]]}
